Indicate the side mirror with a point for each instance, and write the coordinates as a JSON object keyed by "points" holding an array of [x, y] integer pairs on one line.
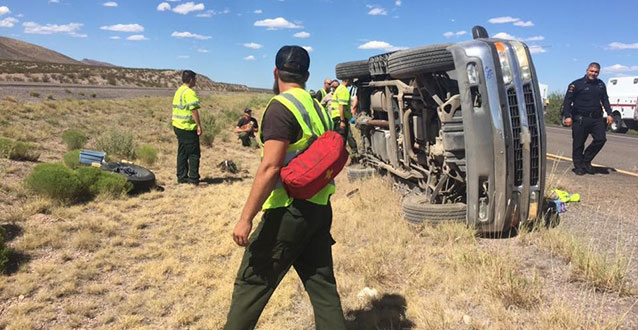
{"points": [[479, 32]]}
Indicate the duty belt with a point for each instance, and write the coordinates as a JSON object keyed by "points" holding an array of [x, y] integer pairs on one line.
{"points": [[592, 114]]}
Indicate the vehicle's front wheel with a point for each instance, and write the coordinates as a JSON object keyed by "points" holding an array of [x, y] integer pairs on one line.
{"points": [[616, 125], [417, 209]]}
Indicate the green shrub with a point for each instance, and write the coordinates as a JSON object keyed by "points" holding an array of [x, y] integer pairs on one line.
{"points": [[210, 128], [93, 95], [50, 97], [18, 150], [55, 181], [74, 139], [72, 159], [61, 183], [68, 91], [112, 185], [147, 154], [34, 94], [117, 143], [553, 115]]}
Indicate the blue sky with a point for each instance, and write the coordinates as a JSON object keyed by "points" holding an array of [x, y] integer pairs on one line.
{"points": [[236, 41]]}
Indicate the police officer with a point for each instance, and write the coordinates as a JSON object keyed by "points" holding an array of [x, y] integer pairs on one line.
{"points": [[292, 232], [187, 128], [582, 111]]}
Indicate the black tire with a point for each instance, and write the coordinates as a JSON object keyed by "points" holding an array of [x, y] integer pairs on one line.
{"points": [[417, 209], [141, 178], [351, 70], [357, 172], [616, 125], [410, 62]]}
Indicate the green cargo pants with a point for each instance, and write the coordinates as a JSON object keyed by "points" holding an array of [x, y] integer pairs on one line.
{"points": [[346, 133], [188, 154], [298, 236]]}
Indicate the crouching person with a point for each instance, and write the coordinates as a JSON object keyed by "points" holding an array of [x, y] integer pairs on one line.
{"points": [[246, 129], [292, 232]]}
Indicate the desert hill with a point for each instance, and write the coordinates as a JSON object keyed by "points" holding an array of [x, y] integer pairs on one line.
{"points": [[23, 62], [12, 49]]}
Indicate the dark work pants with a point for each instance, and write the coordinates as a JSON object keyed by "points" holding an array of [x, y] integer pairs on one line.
{"points": [[298, 236], [581, 128], [188, 154], [346, 133], [247, 140]]}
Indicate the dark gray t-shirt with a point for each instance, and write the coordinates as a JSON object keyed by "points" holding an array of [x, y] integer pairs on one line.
{"points": [[279, 123]]}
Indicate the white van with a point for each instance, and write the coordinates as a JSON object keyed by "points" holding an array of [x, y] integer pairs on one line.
{"points": [[623, 96]]}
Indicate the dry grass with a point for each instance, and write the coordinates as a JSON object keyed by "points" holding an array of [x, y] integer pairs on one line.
{"points": [[166, 259]]}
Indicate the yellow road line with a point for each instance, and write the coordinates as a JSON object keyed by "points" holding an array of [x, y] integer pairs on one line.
{"points": [[595, 165]]}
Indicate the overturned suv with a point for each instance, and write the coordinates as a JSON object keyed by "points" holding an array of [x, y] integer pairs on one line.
{"points": [[461, 125]]}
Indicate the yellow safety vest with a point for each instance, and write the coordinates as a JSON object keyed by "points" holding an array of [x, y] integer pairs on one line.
{"points": [[307, 111], [341, 96], [184, 102], [323, 93]]}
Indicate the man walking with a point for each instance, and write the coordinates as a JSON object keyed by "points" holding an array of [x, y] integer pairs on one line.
{"points": [[342, 112], [292, 232], [582, 110], [246, 128], [187, 129]]}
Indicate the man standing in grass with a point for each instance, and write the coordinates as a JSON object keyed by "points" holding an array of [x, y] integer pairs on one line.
{"points": [[292, 232], [187, 129]]}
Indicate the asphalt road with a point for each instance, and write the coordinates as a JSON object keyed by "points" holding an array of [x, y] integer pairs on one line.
{"points": [[620, 151]]}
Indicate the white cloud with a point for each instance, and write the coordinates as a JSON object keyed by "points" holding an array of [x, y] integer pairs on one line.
{"points": [[308, 48], [620, 68], [8, 22], [188, 7], [4, 10], [164, 6], [137, 37], [505, 35], [377, 11], [524, 23], [201, 50], [249, 58], [536, 49], [253, 45], [398, 3], [258, 11], [173, 0], [509, 19], [183, 56], [123, 28], [210, 13], [54, 1], [70, 29], [454, 34], [277, 23], [382, 45], [110, 4], [503, 20], [114, 37], [535, 38], [619, 45], [186, 34], [302, 34]]}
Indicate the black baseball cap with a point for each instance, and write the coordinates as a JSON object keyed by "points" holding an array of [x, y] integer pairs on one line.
{"points": [[293, 59], [247, 110]]}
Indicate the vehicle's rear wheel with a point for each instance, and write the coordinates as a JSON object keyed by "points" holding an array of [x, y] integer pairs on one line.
{"points": [[357, 172], [417, 209], [616, 125], [409, 62], [351, 70], [141, 178]]}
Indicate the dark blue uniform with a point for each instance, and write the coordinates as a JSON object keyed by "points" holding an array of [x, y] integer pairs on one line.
{"points": [[583, 103]]}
